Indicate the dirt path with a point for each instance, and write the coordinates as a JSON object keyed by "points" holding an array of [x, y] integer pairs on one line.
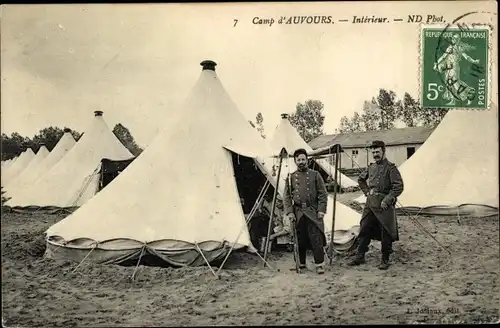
{"points": [[463, 287]]}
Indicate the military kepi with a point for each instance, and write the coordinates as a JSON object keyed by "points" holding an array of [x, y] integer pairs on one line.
{"points": [[377, 144]]}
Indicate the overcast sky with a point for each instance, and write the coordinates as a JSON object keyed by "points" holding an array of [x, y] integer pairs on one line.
{"points": [[137, 62]]}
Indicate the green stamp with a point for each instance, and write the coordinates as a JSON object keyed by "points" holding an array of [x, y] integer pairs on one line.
{"points": [[455, 67]]}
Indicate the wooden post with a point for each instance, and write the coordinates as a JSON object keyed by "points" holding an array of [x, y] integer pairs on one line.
{"points": [[273, 206], [334, 204]]}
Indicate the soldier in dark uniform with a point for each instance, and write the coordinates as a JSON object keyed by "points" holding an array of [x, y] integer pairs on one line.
{"points": [[305, 204], [381, 183]]}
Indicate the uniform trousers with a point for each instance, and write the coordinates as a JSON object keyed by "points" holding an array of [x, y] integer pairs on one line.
{"points": [[310, 237], [371, 228]]}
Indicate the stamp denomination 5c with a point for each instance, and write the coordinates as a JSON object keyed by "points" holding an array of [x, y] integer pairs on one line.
{"points": [[455, 67]]}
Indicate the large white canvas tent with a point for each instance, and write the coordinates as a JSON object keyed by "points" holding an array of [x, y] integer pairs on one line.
{"points": [[456, 170], [75, 178], [62, 147], [178, 201], [18, 166], [33, 164]]}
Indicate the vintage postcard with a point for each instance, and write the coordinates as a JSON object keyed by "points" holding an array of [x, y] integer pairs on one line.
{"points": [[284, 163]]}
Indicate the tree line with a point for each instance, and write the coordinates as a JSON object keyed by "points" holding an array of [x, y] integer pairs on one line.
{"points": [[382, 112], [386, 110], [15, 144]]}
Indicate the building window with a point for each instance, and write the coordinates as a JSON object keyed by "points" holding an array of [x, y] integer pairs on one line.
{"points": [[409, 152], [354, 152]]}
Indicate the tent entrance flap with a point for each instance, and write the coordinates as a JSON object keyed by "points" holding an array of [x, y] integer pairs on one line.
{"points": [[249, 181], [110, 169]]}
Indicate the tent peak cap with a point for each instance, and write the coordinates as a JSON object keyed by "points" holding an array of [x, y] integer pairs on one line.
{"points": [[208, 65], [285, 115], [98, 113]]}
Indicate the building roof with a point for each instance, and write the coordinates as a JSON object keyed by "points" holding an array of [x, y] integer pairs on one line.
{"points": [[394, 137]]}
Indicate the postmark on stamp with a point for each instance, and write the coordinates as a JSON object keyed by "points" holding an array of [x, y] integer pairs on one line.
{"points": [[455, 67]]}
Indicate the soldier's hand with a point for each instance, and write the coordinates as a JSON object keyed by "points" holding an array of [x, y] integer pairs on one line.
{"points": [[321, 215], [384, 205], [292, 217]]}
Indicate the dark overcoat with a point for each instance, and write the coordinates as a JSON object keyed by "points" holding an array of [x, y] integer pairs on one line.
{"points": [[381, 182], [306, 197]]}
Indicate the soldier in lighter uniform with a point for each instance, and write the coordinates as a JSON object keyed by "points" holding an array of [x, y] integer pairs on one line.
{"points": [[305, 204], [381, 183]]}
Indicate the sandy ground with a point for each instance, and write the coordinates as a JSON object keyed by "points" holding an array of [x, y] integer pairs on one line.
{"points": [[460, 288]]}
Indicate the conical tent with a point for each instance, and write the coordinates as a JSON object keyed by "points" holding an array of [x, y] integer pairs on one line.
{"points": [[21, 163], [6, 163], [456, 170], [9, 163], [75, 178], [62, 147], [39, 157], [178, 201], [287, 136]]}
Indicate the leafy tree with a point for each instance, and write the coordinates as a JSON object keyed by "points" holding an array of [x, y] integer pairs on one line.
{"points": [[308, 119], [371, 117], [345, 125], [385, 110], [49, 136], [355, 124], [123, 134], [408, 111], [386, 101], [4, 199], [14, 145]]}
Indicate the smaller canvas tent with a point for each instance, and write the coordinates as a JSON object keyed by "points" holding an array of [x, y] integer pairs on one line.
{"points": [[6, 163], [28, 171], [287, 136], [75, 178], [455, 172], [9, 163], [62, 147], [20, 164]]}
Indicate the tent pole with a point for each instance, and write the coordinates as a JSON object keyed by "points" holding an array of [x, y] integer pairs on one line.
{"points": [[334, 204], [338, 168], [273, 206]]}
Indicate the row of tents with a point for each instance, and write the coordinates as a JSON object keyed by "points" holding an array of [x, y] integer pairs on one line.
{"points": [[179, 201]]}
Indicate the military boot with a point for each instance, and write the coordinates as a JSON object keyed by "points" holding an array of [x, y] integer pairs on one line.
{"points": [[384, 263], [320, 268], [357, 260]]}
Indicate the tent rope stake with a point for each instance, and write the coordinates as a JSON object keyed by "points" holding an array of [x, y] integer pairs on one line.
{"points": [[133, 277], [206, 261], [88, 254]]}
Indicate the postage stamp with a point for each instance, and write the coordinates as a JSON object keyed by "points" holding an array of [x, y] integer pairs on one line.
{"points": [[454, 66]]}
